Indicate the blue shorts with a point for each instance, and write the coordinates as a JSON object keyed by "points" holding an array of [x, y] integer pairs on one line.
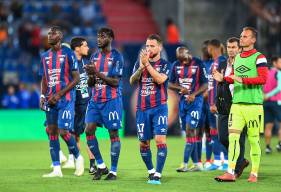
{"points": [[152, 122], [79, 118], [190, 113], [108, 113], [62, 114], [272, 111]]}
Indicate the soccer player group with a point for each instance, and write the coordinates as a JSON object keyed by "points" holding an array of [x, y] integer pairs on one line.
{"points": [[219, 96]]}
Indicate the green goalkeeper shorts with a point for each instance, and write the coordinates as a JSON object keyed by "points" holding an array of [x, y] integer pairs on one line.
{"points": [[250, 115]]}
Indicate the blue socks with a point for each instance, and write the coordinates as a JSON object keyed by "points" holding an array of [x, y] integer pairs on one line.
{"points": [[94, 147], [161, 157], [208, 149], [54, 149], [216, 144], [189, 149], [72, 145], [146, 157], [114, 152]]}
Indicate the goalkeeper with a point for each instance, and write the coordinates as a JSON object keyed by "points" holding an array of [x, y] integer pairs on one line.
{"points": [[249, 74]]}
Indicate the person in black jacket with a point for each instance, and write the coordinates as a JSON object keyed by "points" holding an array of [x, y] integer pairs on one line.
{"points": [[224, 101]]}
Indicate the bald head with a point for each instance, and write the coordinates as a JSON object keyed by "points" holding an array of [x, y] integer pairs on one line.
{"points": [[183, 54]]}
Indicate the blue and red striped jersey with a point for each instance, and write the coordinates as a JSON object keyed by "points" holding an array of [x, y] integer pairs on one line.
{"points": [[57, 67], [111, 65], [190, 76], [151, 94], [212, 83]]}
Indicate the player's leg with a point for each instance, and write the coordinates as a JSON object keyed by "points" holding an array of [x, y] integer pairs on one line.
{"points": [[145, 134], [216, 146], [236, 123], [160, 126], [52, 119], [255, 122], [269, 122], [223, 139], [208, 142], [65, 124]]}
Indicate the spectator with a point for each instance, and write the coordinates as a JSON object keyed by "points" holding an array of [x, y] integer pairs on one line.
{"points": [[172, 33], [10, 99], [34, 96], [87, 12], [24, 96]]}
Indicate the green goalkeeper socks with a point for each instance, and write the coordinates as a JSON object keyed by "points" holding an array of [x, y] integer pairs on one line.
{"points": [[233, 151], [255, 153]]}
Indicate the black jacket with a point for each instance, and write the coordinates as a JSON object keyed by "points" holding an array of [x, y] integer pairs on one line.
{"points": [[224, 97]]}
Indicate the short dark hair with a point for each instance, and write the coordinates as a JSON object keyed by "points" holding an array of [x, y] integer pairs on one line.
{"points": [[108, 31], [76, 42], [252, 29], [275, 58], [215, 42], [56, 28], [233, 40], [155, 37]]}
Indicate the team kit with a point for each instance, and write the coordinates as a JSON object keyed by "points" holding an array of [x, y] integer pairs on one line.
{"points": [[220, 97]]}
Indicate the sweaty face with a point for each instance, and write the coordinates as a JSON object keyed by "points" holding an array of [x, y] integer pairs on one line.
{"points": [[153, 48], [54, 36], [103, 40], [232, 49], [247, 39], [84, 49]]}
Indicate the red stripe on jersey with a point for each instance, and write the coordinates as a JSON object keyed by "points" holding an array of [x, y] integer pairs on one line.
{"points": [[97, 64], [153, 96], [105, 69], [197, 79], [50, 68], [143, 88], [58, 86], [66, 77]]}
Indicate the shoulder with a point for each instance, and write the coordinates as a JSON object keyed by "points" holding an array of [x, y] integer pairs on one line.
{"points": [[116, 53], [197, 60], [164, 62], [45, 53]]}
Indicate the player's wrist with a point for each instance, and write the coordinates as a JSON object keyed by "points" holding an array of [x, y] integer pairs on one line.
{"points": [[42, 96]]}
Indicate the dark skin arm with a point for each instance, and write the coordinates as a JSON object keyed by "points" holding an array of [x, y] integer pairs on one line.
{"points": [[111, 81], [43, 91], [55, 98], [91, 81], [176, 87]]}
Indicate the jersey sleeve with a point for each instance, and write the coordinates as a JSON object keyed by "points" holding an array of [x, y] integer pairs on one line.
{"points": [[73, 63], [203, 73], [41, 67], [117, 69], [173, 78], [136, 66], [261, 61]]}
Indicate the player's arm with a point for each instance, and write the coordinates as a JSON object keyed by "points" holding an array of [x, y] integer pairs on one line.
{"points": [[55, 98], [203, 80], [262, 70], [43, 91], [137, 73], [157, 77], [91, 80]]}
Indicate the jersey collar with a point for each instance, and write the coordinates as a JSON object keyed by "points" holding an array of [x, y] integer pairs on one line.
{"points": [[248, 53]]}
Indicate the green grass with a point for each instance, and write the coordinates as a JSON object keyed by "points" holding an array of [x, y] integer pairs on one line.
{"points": [[23, 163]]}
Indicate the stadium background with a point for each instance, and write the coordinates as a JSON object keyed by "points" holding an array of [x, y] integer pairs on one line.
{"points": [[24, 26]]}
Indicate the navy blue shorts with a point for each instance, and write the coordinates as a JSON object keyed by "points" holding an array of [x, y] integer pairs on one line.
{"points": [[152, 122], [62, 114], [108, 113], [190, 113], [272, 111], [79, 118]]}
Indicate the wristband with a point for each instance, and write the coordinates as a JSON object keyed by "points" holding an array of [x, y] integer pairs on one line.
{"points": [[42, 96]]}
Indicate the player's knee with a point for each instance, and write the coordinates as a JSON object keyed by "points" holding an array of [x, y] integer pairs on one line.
{"points": [[90, 129], [193, 133], [254, 140], [160, 140], [113, 134], [63, 132], [52, 130]]}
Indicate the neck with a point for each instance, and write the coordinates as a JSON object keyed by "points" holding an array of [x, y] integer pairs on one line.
{"points": [[56, 47], [79, 56], [248, 48], [230, 60], [154, 59], [216, 55], [106, 49]]}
